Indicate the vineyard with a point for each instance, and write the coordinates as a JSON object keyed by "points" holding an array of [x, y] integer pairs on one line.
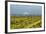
{"points": [[18, 22]]}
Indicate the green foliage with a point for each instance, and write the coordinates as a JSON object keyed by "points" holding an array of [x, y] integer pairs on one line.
{"points": [[18, 22]]}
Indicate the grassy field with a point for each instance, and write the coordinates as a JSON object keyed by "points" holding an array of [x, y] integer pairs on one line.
{"points": [[19, 22]]}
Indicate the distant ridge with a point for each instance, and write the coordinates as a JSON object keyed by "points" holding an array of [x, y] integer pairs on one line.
{"points": [[23, 15]]}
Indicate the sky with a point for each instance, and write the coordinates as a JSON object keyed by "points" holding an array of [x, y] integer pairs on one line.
{"points": [[25, 9]]}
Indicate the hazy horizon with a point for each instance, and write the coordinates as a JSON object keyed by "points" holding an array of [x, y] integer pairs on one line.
{"points": [[25, 10]]}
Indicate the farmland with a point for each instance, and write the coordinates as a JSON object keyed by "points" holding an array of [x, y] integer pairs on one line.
{"points": [[19, 22]]}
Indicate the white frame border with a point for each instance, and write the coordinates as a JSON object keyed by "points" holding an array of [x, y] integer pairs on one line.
{"points": [[19, 30]]}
